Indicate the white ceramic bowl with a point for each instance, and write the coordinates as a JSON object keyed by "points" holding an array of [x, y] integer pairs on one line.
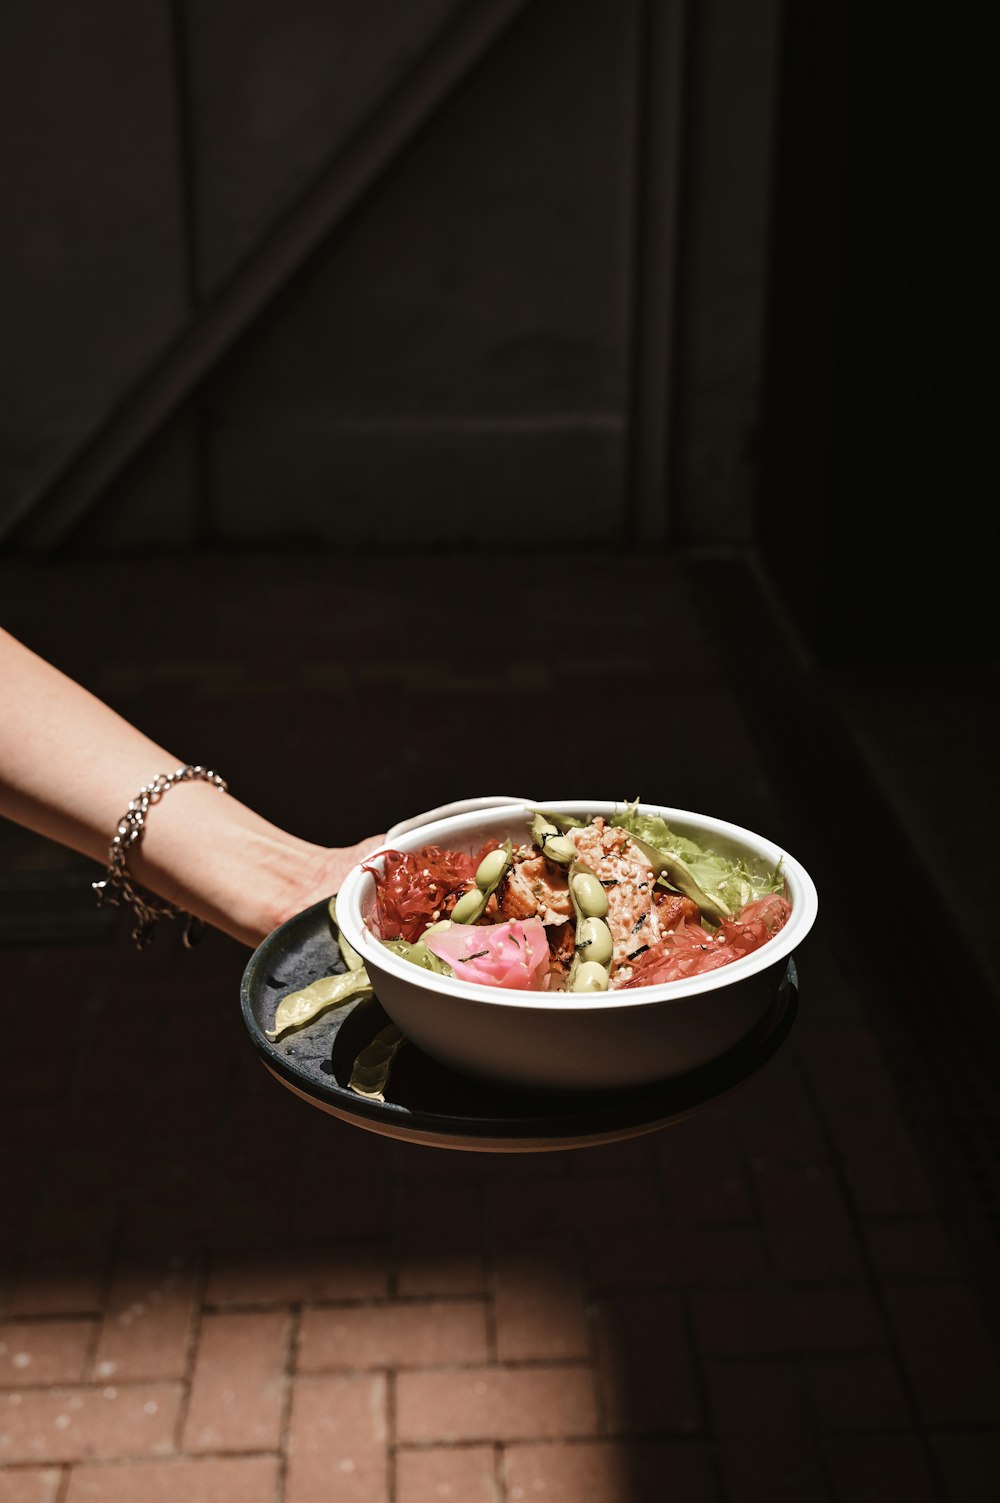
{"points": [[557, 1041]]}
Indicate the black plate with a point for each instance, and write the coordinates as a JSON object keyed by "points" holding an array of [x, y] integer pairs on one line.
{"points": [[428, 1103]]}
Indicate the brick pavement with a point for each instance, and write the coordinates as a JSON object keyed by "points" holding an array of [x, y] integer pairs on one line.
{"points": [[210, 1291], [745, 1306]]}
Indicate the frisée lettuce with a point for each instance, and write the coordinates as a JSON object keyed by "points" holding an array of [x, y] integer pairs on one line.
{"points": [[729, 883]]}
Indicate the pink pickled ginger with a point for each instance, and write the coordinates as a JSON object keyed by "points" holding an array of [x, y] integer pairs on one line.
{"points": [[513, 955]]}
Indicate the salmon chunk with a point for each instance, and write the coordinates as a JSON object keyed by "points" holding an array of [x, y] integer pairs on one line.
{"points": [[536, 888], [629, 882]]}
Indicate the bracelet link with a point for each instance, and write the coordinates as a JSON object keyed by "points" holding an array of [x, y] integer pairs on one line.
{"points": [[117, 887]]}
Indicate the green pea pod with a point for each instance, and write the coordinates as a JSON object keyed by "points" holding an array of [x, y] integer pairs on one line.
{"points": [[301, 1007], [348, 954], [419, 954], [472, 904], [556, 846], [562, 822], [678, 875], [590, 904], [370, 1073]]}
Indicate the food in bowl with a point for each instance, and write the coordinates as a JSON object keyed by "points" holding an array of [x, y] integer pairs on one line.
{"points": [[553, 1037], [578, 905]]}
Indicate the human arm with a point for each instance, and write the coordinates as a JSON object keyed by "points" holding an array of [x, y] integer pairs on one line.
{"points": [[69, 765]]}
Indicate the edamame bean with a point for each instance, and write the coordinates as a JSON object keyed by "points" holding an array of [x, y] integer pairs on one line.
{"points": [[590, 896], [559, 848], [491, 869], [489, 874], [550, 842], [589, 977], [593, 941], [469, 906]]}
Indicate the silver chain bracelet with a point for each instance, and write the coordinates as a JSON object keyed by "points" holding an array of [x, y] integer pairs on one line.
{"points": [[117, 886]]}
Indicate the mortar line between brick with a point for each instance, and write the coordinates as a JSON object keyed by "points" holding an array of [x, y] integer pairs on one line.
{"points": [[490, 1295], [393, 1197], [499, 1473], [703, 1391], [775, 1281], [520, 1364], [569, 1438], [62, 1485], [145, 1459], [591, 1301], [204, 1260], [391, 1447], [487, 1241], [760, 1222], [50, 1318], [285, 1425], [875, 1285], [473, 1443], [191, 1352], [348, 1302], [694, 1439], [68, 1389]]}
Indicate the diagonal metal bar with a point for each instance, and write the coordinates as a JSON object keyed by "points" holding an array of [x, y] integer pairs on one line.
{"points": [[45, 514]]}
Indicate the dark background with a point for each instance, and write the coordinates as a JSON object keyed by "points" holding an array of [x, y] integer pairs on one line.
{"points": [[399, 401], [686, 283], [707, 276]]}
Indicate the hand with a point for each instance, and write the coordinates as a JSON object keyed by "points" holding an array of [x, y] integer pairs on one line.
{"points": [[328, 870], [340, 860]]}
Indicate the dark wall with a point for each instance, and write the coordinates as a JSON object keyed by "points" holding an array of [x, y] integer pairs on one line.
{"points": [[92, 256], [305, 272], [880, 490], [454, 361]]}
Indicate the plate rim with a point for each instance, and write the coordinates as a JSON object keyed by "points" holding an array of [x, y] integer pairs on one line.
{"points": [[593, 1117]]}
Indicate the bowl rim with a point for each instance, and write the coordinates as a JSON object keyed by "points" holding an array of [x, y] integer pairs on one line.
{"points": [[805, 904]]}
